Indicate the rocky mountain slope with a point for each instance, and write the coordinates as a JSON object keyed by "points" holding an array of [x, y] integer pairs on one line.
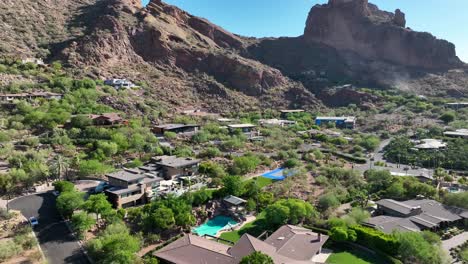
{"points": [[188, 61]]}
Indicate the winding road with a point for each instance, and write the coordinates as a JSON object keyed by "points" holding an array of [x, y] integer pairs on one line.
{"points": [[54, 237]]}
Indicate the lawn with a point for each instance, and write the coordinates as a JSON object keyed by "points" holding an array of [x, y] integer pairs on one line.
{"points": [[261, 181], [342, 254], [254, 228]]}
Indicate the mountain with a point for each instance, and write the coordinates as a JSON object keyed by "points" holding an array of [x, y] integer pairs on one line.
{"points": [[186, 61]]}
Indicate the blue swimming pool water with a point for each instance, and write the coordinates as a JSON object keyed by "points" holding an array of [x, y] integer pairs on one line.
{"points": [[276, 174], [211, 227]]}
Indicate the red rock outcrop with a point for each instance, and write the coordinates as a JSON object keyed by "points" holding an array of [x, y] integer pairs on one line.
{"points": [[360, 27]]}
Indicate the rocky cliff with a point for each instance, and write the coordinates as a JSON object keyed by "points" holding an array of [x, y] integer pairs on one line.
{"points": [[360, 27]]}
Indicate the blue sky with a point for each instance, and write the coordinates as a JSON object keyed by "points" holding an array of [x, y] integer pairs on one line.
{"points": [[445, 19]]}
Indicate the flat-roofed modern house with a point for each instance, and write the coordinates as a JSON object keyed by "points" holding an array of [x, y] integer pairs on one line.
{"points": [[162, 175], [244, 128], [457, 105], [284, 113], [171, 167], [131, 187], [276, 122], [339, 121], [175, 128], [415, 215], [9, 97], [289, 244], [430, 143], [120, 83], [460, 133]]}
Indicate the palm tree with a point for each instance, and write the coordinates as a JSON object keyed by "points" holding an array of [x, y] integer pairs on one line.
{"points": [[60, 166]]}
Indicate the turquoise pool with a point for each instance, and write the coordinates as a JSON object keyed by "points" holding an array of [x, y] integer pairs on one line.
{"points": [[212, 226]]}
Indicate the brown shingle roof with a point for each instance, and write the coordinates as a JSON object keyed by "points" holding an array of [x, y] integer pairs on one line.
{"points": [[191, 249], [296, 242]]}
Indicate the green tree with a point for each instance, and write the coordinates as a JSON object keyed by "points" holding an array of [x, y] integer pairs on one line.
{"points": [[257, 257], [328, 201], [81, 223], [415, 249], [232, 185], [277, 214], [97, 204], [162, 218], [64, 186], [245, 164], [68, 202], [114, 245]]}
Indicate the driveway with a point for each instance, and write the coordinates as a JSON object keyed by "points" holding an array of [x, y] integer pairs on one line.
{"points": [[454, 242], [56, 241]]}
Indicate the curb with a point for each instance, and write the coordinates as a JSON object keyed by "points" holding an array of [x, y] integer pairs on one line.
{"points": [[80, 242]]}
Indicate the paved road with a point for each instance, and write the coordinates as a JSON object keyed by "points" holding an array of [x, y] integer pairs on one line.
{"points": [[454, 242], [56, 241], [401, 170]]}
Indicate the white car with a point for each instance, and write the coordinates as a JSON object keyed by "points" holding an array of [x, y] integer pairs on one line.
{"points": [[33, 221]]}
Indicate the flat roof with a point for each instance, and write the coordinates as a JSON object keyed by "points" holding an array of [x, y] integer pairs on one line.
{"points": [[336, 118], [234, 200], [241, 126], [175, 126], [126, 175], [175, 162], [292, 111]]}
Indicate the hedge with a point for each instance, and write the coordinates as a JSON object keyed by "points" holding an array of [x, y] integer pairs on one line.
{"points": [[376, 239]]}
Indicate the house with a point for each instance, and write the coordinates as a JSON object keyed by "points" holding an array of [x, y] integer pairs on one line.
{"points": [[131, 187], [289, 244], [461, 133], [284, 113], [10, 97], [174, 167], [244, 128], [340, 122], [199, 113], [175, 128], [457, 105], [430, 144], [415, 215], [108, 119], [33, 60], [226, 120], [120, 83], [160, 176], [276, 122]]}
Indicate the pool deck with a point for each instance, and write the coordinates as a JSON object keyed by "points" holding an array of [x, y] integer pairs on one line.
{"points": [[249, 219]]}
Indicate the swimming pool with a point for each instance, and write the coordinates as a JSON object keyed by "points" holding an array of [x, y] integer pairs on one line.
{"points": [[277, 174], [213, 226]]}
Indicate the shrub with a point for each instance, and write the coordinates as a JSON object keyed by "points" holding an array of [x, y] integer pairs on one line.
{"points": [[9, 249], [373, 238], [63, 186]]}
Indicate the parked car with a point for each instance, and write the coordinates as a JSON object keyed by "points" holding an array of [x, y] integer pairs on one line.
{"points": [[56, 193], [33, 221]]}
